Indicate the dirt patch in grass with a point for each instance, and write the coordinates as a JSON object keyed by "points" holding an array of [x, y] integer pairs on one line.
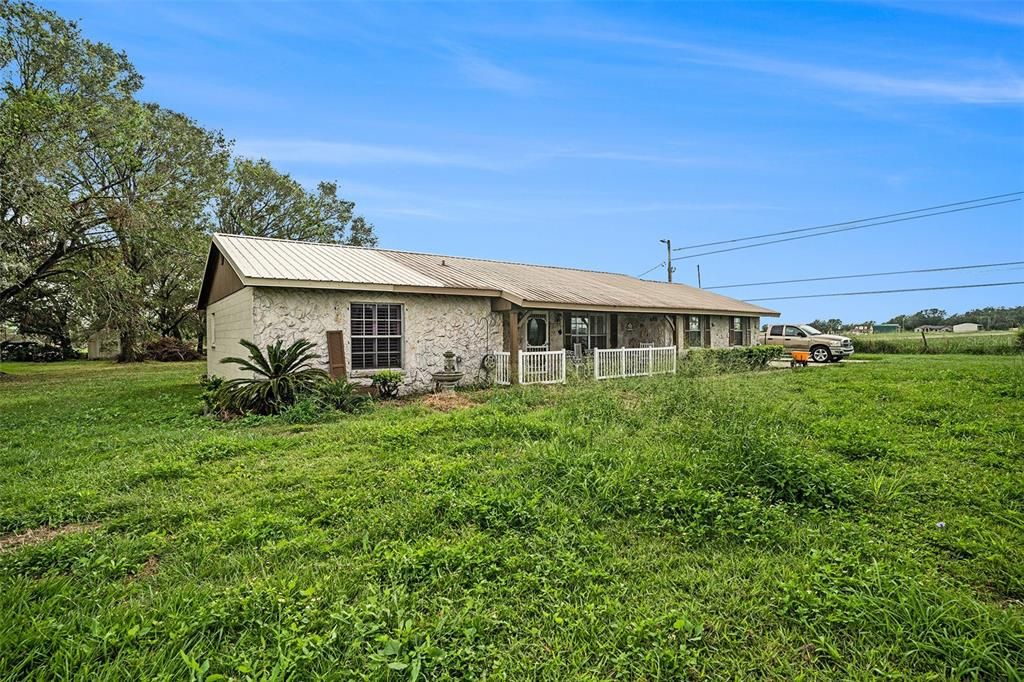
{"points": [[446, 402], [33, 536], [149, 568]]}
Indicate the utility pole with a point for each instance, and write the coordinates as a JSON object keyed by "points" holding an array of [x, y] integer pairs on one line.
{"points": [[668, 261], [698, 277]]}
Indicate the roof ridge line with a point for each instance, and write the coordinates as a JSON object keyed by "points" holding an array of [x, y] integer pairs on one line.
{"points": [[442, 255]]}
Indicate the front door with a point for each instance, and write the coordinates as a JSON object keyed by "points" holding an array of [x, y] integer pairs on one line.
{"points": [[537, 331]]}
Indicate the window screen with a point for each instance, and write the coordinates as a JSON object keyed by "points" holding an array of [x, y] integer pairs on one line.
{"points": [[376, 336], [736, 332], [589, 331], [694, 332]]}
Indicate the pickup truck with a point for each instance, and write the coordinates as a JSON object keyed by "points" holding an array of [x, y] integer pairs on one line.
{"points": [[822, 347]]}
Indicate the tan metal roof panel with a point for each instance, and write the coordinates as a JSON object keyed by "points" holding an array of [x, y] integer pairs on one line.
{"points": [[308, 263], [279, 259]]}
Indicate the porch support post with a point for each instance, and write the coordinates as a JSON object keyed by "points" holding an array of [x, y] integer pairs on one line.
{"points": [[510, 329], [676, 322]]}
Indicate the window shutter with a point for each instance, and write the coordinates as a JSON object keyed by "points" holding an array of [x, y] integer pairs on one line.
{"points": [[613, 333], [336, 354], [567, 331], [747, 330], [706, 324]]}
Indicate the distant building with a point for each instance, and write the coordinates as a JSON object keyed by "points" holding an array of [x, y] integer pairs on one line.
{"points": [[104, 345], [966, 327], [886, 328], [934, 328], [861, 329]]}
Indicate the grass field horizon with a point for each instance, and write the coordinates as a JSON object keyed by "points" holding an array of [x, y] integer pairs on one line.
{"points": [[848, 521], [998, 342]]}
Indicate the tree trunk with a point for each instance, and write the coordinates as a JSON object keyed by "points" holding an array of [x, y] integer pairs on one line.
{"points": [[130, 351]]}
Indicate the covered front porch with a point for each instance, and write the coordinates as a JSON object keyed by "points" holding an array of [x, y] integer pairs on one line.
{"points": [[549, 342], [579, 333], [643, 342]]}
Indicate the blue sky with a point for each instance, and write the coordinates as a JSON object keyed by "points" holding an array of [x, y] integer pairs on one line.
{"points": [[581, 134]]}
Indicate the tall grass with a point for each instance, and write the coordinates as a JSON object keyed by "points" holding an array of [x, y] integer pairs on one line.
{"points": [[938, 344], [779, 525]]}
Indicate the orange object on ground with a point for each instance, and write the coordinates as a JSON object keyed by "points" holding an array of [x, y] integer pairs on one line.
{"points": [[801, 356]]}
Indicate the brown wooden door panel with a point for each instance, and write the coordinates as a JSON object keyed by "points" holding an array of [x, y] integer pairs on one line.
{"points": [[336, 354]]}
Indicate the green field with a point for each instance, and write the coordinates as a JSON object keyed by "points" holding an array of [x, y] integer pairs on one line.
{"points": [[849, 521], [939, 343]]}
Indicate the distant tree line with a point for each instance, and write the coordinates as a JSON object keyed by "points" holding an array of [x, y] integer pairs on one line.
{"points": [[107, 202], [988, 318]]}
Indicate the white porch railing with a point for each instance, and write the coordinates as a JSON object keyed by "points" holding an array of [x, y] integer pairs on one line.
{"points": [[633, 362], [542, 367], [501, 369]]}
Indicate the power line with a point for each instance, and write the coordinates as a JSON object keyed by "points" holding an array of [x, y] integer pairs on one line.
{"points": [[651, 269], [885, 291], [870, 274], [848, 222], [845, 229]]}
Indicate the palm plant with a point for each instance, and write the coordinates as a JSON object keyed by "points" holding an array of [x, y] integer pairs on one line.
{"points": [[279, 378]]}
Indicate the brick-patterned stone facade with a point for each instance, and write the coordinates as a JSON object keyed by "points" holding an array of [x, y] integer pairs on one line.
{"points": [[432, 324]]}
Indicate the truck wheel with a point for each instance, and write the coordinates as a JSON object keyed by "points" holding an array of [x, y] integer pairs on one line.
{"points": [[821, 354]]}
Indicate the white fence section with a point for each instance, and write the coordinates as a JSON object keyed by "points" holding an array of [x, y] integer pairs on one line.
{"points": [[634, 362], [501, 369], [542, 367]]}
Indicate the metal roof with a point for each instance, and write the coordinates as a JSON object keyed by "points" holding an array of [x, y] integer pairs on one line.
{"points": [[261, 261]]}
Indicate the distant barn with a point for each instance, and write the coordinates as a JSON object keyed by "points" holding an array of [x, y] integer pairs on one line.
{"points": [[966, 327]]}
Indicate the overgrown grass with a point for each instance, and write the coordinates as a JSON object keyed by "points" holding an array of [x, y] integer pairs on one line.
{"points": [[779, 524], [939, 343]]}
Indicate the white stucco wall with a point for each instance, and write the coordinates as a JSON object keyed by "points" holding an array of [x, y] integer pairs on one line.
{"points": [[227, 321], [432, 324]]}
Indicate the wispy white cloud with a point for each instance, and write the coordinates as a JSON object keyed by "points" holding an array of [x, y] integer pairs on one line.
{"points": [[632, 157], [350, 153], [673, 207], [997, 85], [486, 74], [503, 156], [1006, 13]]}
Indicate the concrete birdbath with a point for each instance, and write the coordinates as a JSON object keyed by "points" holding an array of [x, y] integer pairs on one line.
{"points": [[444, 382]]}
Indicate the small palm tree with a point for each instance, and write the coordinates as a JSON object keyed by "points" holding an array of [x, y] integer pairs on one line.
{"points": [[279, 378]]}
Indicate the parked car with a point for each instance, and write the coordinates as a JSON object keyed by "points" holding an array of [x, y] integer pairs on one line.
{"points": [[803, 337]]}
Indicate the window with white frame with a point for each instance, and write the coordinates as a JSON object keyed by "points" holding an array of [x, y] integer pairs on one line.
{"points": [[376, 336], [736, 332], [589, 331], [694, 331]]}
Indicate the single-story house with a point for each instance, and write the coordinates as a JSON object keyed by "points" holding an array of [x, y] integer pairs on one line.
{"points": [[933, 328], [368, 309], [966, 327]]}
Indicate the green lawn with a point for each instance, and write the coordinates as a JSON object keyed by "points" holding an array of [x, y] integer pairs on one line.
{"points": [[850, 521]]}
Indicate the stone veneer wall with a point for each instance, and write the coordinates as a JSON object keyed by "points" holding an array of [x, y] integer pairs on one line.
{"points": [[720, 330], [432, 324]]}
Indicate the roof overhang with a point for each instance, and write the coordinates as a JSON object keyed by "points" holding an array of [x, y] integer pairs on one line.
{"points": [[216, 252], [661, 310]]}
